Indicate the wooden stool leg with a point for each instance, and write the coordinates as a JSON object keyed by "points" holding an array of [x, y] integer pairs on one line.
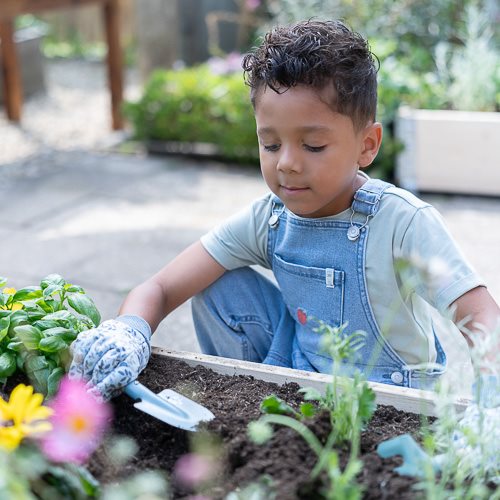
{"points": [[115, 60], [13, 94]]}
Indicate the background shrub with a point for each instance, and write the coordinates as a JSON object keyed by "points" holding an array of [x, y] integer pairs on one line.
{"points": [[197, 105]]}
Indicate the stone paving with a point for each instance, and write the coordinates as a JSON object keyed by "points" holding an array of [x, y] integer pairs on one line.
{"points": [[107, 221]]}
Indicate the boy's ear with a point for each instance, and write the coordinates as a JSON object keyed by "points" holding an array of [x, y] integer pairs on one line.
{"points": [[371, 137]]}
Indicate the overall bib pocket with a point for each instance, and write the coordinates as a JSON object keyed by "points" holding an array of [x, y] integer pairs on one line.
{"points": [[317, 292]]}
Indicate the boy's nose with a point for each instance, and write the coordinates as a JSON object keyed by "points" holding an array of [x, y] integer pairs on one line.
{"points": [[288, 161]]}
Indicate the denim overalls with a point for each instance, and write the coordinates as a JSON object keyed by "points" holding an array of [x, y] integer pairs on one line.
{"points": [[319, 265]]}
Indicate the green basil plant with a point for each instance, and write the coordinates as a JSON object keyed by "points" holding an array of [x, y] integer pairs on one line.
{"points": [[37, 326]]}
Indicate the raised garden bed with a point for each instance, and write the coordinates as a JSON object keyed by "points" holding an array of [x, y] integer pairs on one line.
{"points": [[234, 398], [312, 444]]}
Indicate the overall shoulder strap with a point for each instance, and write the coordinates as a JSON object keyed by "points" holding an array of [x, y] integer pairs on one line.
{"points": [[277, 209], [367, 197]]}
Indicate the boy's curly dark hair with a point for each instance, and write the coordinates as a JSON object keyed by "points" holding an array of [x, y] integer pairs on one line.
{"points": [[318, 54]]}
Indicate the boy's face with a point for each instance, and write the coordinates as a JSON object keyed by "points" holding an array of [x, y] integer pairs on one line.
{"points": [[309, 154]]}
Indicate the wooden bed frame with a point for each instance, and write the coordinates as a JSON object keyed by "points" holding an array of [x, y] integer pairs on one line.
{"points": [[402, 398]]}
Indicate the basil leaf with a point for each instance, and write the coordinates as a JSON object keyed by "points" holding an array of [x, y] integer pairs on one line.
{"points": [[4, 327], [47, 292], [45, 324], [28, 293], [53, 381], [29, 335], [59, 316], [52, 279], [66, 334], [84, 305], [8, 364], [15, 345], [52, 344]]}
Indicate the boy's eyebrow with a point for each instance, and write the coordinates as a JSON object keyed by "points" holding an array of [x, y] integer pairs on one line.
{"points": [[306, 128]]}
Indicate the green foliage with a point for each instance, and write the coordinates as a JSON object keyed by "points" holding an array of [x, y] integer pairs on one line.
{"points": [[148, 484], [345, 486], [37, 326], [26, 474], [350, 403], [72, 47], [471, 72], [195, 105], [273, 405], [262, 489], [466, 443]]}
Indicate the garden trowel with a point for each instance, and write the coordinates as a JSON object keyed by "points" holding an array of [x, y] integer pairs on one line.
{"points": [[169, 406]]}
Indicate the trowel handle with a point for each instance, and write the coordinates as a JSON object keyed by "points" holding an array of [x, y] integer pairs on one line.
{"points": [[138, 391]]}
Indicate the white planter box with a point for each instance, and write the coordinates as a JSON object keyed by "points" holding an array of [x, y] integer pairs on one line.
{"points": [[448, 151], [402, 398]]}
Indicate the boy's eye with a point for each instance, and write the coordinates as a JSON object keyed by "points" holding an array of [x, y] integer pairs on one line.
{"points": [[272, 147], [314, 149]]}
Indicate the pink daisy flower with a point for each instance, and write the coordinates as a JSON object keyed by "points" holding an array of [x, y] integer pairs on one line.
{"points": [[78, 423]]}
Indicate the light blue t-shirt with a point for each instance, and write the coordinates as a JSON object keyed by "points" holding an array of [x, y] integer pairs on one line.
{"points": [[413, 265]]}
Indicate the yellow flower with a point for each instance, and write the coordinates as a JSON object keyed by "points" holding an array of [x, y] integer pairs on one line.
{"points": [[13, 306], [22, 416], [10, 437]]}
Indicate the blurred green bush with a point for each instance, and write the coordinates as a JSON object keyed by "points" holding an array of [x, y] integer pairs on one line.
{"points": [[196, 105]]}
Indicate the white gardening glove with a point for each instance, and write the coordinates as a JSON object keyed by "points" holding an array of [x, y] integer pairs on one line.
{"points": [[477, 438], [477, 441], [112, 355]]}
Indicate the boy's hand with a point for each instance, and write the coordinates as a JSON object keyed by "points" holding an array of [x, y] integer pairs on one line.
{"points": [[112, 355]]}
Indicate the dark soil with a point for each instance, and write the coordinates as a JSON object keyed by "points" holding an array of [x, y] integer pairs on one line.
{"points": [[235, 401]]}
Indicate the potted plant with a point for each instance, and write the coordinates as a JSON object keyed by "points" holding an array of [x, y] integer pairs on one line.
{"points": [[453, 149]]}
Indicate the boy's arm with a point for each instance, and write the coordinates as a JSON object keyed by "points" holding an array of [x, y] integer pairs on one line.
{"points": [[112, 355], [188, 274], [477, 314], [476, 311]]}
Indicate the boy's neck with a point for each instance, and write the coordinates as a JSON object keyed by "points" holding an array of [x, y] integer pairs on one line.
{"points": [[361, 178]]}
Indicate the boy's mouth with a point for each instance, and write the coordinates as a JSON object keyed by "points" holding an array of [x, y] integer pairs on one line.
{"points": [[293, 189]]}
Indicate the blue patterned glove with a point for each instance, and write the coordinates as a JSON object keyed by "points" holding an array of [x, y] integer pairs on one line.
{"points": [[112, 355]]}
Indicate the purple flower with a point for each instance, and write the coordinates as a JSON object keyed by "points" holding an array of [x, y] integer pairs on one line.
{"points": [[193, 469], [252, 4], [229, 64]]}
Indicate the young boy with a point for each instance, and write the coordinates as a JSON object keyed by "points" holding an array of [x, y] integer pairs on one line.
{"points": [[332, 236]]}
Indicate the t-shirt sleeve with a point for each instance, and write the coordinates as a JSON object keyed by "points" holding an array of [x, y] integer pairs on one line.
{"points": [[242, 239], [435, 266]]}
